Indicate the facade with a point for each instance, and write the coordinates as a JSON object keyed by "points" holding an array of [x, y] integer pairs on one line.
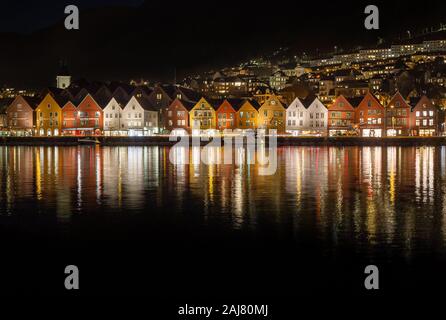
{"points": [[296, 118], [272, 115], [48, 117], [247, 115], [113, 124], [369, 117], [70, 119], [317, 119], [341, 118], [139, 117], [90, 117], [397, 117], [424, 118], [160, 100], [202, 117], [178, 115], [20, 116], [226, 115]]}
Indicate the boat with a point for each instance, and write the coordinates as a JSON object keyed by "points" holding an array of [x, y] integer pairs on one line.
{"points": [[88, 141]]}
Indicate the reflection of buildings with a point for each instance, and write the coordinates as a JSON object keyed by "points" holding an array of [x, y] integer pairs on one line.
{"points": [[363, 196]]}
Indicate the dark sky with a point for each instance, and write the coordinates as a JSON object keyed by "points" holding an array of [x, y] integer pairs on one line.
{"points": [[119, 40]]}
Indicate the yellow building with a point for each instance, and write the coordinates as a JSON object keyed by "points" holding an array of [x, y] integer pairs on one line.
{"points": [[202, 117], [272, 115], [48, 117], [247, 115]]}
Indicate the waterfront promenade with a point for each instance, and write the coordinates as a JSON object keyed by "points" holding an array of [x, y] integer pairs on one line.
{"points": [[281, 141]]}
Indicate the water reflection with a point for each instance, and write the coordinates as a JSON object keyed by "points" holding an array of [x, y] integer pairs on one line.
{"points": [[369, 196]]}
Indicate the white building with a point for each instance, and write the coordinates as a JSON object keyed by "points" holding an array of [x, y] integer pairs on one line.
{"points": [[139, 118], [296, 114], [304, 118], [113, 124]]}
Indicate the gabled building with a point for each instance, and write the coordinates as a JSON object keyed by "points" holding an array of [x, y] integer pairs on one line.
{"points": [[397, 117], [20, 116], [113, 123], [272, 115], [90, 117], [296, 117], [370, 117], [317, 118], [178, 115], [139, 117], [48, 117], [202, 117], [424, 117], [341, 118], [226, 114], [70, 119], [247, 115], [161, 100]]}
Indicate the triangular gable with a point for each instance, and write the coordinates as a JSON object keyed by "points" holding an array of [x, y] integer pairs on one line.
{"points": [[398, 97], [20, 100], [296, 104], [316, 102], [225, 103], [341, 103], [48, 99], [273, 98], [369, 96], [90, 98]]}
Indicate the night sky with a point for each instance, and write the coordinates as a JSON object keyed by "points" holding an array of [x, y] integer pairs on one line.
{"points": [[119, 40]]}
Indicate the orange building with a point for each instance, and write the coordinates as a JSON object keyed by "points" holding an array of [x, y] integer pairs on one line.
{"points": [[90, 117], [341, 117], [369, 117], [70, 121], [226, 114]]}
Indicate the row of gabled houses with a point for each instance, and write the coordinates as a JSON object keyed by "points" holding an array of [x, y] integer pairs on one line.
{"points": [[143, 112]]}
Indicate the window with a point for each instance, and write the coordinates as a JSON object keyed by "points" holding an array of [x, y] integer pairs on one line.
{"points": [[417, 113], [159, 96]]}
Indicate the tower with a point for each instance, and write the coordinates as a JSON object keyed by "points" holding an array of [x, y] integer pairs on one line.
{"points": [[63, 78]]}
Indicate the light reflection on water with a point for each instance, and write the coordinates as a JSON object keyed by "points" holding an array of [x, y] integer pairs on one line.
{"points": [[392, 196]]}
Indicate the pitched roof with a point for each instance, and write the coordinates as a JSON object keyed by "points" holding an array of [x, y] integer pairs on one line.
{"points": [[145, 103]]}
